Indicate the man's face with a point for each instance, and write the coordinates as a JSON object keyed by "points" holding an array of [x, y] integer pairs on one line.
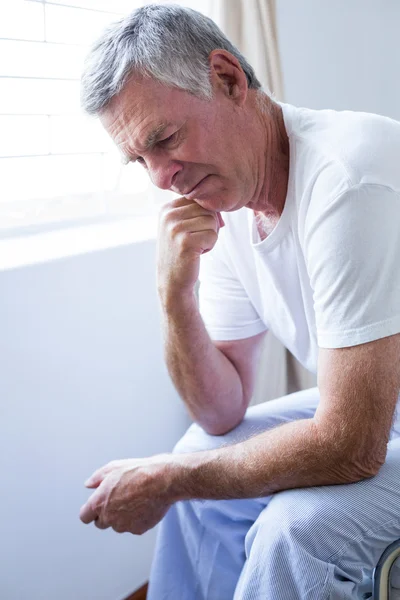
{"points": [[193, 147]]}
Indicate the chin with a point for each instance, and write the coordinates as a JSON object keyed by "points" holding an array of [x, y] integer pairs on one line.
{"points": [[221, 203]]}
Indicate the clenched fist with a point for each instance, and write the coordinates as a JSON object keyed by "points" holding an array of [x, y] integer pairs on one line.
{"points": [[186, 231]]}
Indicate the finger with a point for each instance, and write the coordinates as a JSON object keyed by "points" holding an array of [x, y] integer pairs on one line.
{"points": [[184, 212], [100, 525], [87, 514], [177, 202], [92, 484], [119, 528], [97, 477], [194, 225], [204, 241]]}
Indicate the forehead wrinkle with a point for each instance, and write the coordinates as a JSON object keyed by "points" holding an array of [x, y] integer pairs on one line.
{"points": [[152, 138], [123, 134], [136, 119], [117, 128]]}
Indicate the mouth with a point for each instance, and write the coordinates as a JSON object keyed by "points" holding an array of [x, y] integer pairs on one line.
{"points": [[192, 193]]}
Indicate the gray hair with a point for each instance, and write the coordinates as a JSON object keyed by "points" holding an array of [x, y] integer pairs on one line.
{"points": [[170, 43]]}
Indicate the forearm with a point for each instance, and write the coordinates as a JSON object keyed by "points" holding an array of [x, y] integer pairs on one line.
{"points": [[205, 378], [293, 455]]}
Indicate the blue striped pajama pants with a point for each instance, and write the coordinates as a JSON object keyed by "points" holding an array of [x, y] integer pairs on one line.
{"points": [[304, 544]]}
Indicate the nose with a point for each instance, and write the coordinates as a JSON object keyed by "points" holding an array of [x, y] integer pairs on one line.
{"points": [[162, 171]]}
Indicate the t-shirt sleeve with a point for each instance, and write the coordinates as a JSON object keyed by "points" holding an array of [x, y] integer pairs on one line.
{"points": [[352, 251], [225, 307]]}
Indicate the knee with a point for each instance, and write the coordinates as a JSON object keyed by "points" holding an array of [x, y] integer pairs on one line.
{"points": [[294, 519], [257, 419]]}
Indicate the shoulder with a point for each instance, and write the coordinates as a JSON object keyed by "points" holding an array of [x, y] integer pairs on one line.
{"points": [[359, 147]]}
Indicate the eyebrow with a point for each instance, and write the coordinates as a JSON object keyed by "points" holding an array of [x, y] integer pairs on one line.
{"points": [[151, 140], [155, 135]]}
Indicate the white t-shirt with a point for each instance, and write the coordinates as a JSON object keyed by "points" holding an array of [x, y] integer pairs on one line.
{"points": [[329, 273]]}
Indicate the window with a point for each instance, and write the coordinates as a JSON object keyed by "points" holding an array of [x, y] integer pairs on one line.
{"points": [[58, 166]]}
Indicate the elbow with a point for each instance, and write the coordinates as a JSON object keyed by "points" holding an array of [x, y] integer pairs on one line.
{"points": [[369, 467], [355, 468], [350, 459], [217, 424], [221, 427], [367, 457]]}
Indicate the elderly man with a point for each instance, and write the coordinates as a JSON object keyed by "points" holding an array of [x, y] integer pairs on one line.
{"points": [[295, 498]]}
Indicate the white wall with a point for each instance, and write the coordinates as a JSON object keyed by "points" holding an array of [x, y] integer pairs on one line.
{"points": [[82, 382], [341, 54]]}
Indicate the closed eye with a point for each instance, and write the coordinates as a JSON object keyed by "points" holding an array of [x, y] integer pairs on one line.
{"points": [[165, 143], [168, 140]]}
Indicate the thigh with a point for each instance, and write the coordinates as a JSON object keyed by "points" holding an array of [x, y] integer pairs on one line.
{"points": [[346, 526], [218, 515], [259, 418]]}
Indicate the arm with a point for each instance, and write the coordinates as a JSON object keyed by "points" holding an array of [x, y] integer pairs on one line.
{"points": [[356, 298], [215, 380], [345, 441]]}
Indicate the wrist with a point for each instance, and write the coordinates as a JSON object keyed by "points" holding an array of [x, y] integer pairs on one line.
{"points": [[177, 301], [166, 475], [193, 475]]}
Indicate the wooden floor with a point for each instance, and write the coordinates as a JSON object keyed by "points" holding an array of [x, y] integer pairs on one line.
{"points": [[140, 594]]}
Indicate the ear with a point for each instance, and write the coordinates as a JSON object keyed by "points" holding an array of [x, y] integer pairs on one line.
{"points": [[228, 76]]}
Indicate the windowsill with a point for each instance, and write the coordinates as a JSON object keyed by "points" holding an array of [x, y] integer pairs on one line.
{"points": [[42, 247]]}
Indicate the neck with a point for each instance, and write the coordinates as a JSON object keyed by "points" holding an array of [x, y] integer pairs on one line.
{"points": [[272, 184]]}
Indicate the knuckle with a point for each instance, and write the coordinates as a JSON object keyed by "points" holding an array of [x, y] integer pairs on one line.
{"points": [[165, 210], [139, 529], [101, 524], [184, 242], [175, 203], [174, 228], [169, 206], [180, 201], [93, 504], [213, 235], [167, 220]]}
